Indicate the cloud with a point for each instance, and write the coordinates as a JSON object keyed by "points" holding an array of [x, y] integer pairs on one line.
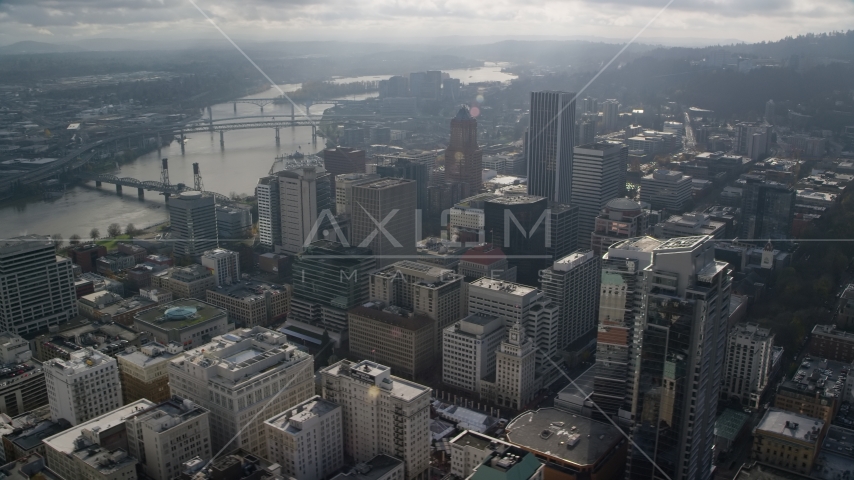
{"points": [[315, 19]]}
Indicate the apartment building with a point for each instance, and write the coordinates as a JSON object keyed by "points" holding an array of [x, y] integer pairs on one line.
{"points": [[83, 387], [468, 351], [144, 371], [307, 440], [748, 364]]}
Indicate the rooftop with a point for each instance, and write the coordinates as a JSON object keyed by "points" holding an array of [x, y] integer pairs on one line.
{"points": [[818, 375], [683, 243], [24, 244], [503, 286], [836, 455], [291, 420], [729, 423], [150, 354], [373, 469], [80, 361], [66, 442], [169, 414], [32, 466], [180, 314], [638, 244], [516, 199], [511, 464], [392, 315], [485, 254], [249, 289], [569, 437], [379, 375], [476, 440], [789, 424], [831, 331]]}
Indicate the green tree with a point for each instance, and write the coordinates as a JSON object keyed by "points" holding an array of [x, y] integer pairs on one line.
{"points": [[114, 230], [94, 234]]}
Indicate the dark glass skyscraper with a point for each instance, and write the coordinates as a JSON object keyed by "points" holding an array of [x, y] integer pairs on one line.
{"points": [[767, 210], [548, 143], [463, 157]]}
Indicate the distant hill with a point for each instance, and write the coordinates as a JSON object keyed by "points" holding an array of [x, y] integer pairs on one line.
{"points": [[30, 47]]}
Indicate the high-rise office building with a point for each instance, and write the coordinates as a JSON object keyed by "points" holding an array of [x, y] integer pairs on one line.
{"points": [[83, 387], [384, 219], [515, 370], [397, 337], [585, 132], [463, 158], [410, 170], [37, 286], [423, 289], [468, 350], [382, 414], [223, 264], [517, 224], [305, 195], [549, 143], [398, 86], [563, 230], [306, 440], [683, 343], [767, 209], [344, 190], [619, 219], [597, 171], [770, 112], [667, 189], [341, 160], [269, 208], [572, 283], [238, 375], [144, 373], [610, 114], [515, 303], [328, 280], [192, 221], [748, 364], [620, 313]]}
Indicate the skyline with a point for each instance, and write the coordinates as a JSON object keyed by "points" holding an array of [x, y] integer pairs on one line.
{"points": [[719, 21]]}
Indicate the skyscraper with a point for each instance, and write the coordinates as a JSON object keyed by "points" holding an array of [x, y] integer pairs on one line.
{"points": [[518, 224], [572, 282], [269, 218], [305, 193], [683, 343], [549, 143], [463, 158], [770, 112], [767, 209], [411, 170], [36, 286], [224, 264], [341, 160], [619, 219], [620, 312], [329, 279], [610, 114], [384, 219], [597, 171], [192, 220]]}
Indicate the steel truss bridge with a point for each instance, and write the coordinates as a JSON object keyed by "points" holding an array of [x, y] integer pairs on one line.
{"points": [[148, 185]]}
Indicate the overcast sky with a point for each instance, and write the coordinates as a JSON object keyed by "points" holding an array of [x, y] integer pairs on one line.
{"points": [[57, 21]]}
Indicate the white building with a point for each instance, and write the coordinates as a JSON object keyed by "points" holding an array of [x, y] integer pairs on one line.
{"points": [[166, 435], [83, 387], [269, 216], [572, 283], [224, 264], [382, 414], [748, 364], [515, 363], [516, 303], [37, 286], [237, 375], [96, 449], [306, 440], [468, 351], [666, 189]]}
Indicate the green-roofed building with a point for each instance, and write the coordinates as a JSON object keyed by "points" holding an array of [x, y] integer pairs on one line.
{"points": [[512, 464], [728, 427]]}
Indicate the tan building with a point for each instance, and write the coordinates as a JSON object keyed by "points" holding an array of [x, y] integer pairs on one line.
{"points": [[787, 440], [382, 414], [166, 435], [252, 303], [144, 371], [239, 374], [423, 289], [306, 440], [814, 390], [393, 336], [185, 282], [571, 447], [514, 383]]}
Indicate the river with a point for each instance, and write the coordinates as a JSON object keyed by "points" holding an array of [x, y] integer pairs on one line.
{"points": [[248, 155]]}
